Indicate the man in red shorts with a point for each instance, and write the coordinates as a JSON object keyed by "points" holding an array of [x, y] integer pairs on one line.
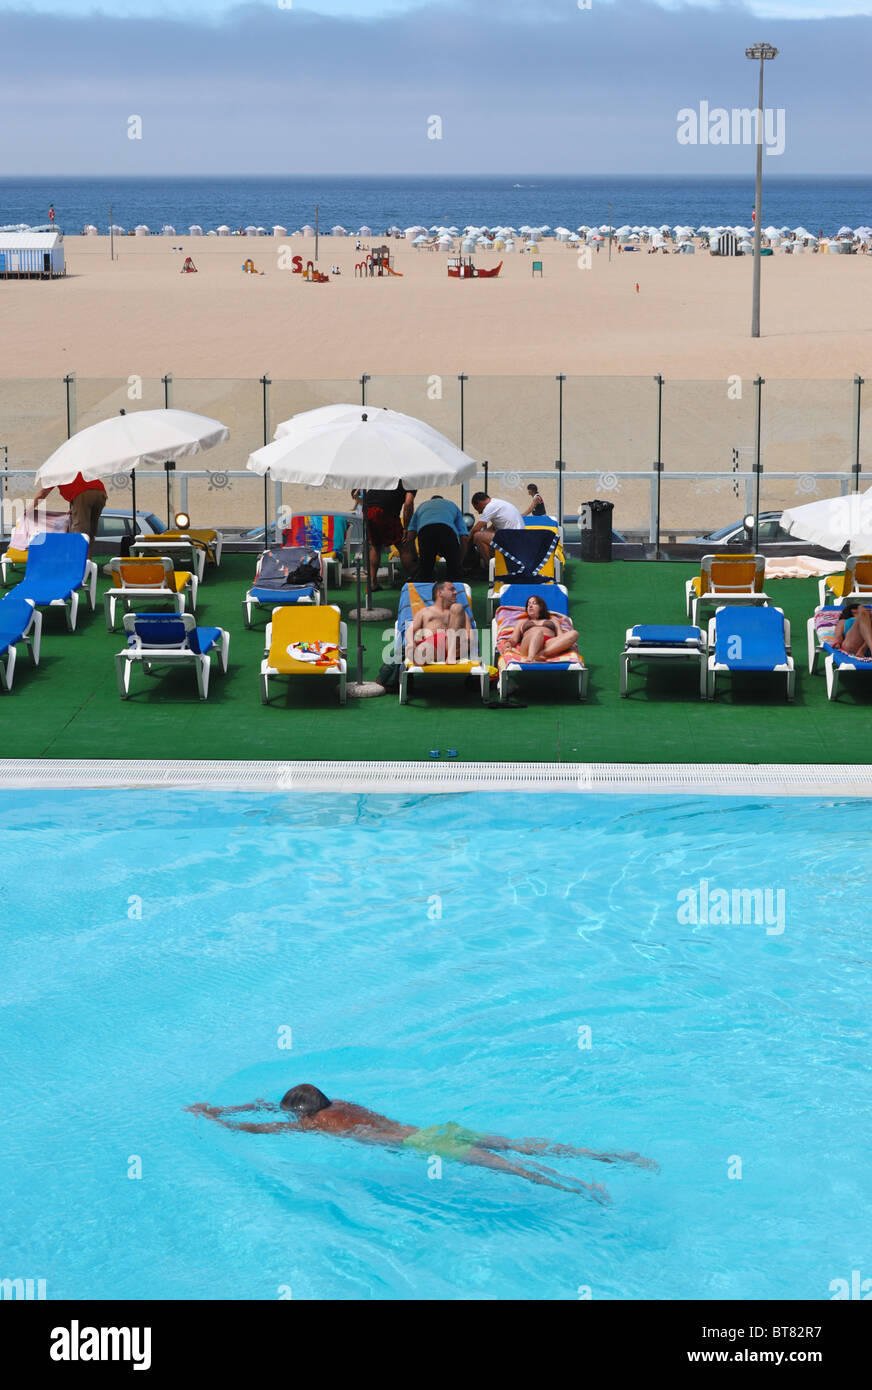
{"points": [[87, 500], [383, 508]]}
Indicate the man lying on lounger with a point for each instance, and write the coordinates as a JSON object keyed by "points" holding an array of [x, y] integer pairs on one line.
{"points": [[313, 1111], [442, 631]]}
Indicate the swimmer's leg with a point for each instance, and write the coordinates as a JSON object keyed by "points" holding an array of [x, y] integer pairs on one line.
{"points": [[545, 1146], [483, 1158]]}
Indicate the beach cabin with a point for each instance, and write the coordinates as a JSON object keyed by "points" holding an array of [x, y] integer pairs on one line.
{"points": [[279, 230], [196, 230], [32, 254], [307, 230], [727, 244], [142, 230], [91, 230]]}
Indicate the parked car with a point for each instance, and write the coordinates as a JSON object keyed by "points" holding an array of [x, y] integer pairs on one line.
{"points": [[772, 539], [115, 524]]}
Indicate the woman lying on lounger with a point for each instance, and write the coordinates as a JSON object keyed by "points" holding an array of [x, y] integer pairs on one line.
{"points": [[853, 634], [539, 636]]}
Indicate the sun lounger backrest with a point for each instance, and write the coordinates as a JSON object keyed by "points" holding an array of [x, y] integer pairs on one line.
{"points": [[516, 595], [858, 574], [61, 555], [155, 630], [142, 572], [15, 615], [732, 574], [750, 638]]}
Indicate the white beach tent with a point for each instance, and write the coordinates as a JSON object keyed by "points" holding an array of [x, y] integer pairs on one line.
{"points": [[167, 230], [261, 231], [91, 230], [338, 231], [223, 230], [279, 230], [195, 230], [364, 231], [307, 230], [250, 230], [142, 230]]}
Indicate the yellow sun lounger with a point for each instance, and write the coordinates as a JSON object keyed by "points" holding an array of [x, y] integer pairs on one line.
{"points": [[304, 641], [147, 580], [413, 597], [725, 579], [856, 582]]}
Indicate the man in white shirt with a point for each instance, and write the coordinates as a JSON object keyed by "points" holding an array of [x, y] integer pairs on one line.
{"points": [[496, 515]]}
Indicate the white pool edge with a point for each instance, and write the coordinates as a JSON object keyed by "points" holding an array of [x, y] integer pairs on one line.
{"points": [[441, 776]]}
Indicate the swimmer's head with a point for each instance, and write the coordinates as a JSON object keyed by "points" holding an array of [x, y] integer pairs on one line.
{"points": [[304, 1100]]}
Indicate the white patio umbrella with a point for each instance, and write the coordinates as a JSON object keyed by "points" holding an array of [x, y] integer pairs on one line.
{"points": [[347, 446], [123, 443], [834, 522]]}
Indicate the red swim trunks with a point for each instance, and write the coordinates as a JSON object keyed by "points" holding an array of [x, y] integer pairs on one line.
{"points": [[384, 529]]}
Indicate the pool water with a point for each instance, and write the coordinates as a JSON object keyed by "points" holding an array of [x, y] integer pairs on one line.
{"points": [[520, 964]]}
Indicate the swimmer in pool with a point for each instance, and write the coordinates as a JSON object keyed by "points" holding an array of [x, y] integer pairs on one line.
{"points": [[313, 1111]]}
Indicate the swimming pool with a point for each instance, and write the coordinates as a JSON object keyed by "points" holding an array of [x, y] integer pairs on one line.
{"points": [[522, 964]]}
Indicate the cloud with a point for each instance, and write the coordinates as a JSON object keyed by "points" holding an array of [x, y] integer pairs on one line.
{"points": [[285, 91]]}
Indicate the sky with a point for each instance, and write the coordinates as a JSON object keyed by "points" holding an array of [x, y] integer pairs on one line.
{"points": [[509, 86]]}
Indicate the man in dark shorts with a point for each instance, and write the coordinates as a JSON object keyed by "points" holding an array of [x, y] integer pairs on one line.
{"points": [[311, 1110], [87, 500], [383, 509], [441, 530]]}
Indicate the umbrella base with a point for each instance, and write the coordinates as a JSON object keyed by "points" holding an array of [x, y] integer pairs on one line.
{"points": [[364, 690], [372, 615]]}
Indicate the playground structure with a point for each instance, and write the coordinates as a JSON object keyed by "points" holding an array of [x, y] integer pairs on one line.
{"points": [[378, 262], [462, 268], [316, 277], [188, 268]]}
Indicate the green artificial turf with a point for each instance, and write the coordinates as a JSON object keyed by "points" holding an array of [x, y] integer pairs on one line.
{"points": [[69, 707]]}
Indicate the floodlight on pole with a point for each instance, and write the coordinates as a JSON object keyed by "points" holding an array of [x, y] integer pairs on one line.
{"points": [[764, 52]]}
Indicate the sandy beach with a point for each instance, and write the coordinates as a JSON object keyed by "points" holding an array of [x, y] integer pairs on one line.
{"points": [[220, 330]]}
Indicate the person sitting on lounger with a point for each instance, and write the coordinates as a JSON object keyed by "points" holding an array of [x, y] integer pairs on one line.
{"points": [[853, 634], [495, 515], [312, 1111], [441, 631], [539, 636]]}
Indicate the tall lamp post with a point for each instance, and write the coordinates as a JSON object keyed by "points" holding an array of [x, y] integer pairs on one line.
{"points": [[762, 51]]}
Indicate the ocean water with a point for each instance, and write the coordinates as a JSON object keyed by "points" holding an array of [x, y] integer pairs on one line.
{"points": [[434, 958], [816, 203]]}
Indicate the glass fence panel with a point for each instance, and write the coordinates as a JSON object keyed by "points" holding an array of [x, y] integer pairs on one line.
{"points": [[433, 399], [512, 423], [610, 427], [808, 427], [33, 423], [709, 429], [224, 495]]}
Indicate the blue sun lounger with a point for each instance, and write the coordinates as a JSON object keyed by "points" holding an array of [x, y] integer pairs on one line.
{"points": [[647, 642], [413, 597], [57, 568], [512, 601], [158, 639], [19, 622], [749, 639], [271, 588]]}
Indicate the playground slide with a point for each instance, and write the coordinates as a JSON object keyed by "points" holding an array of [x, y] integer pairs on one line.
{"points": [[394, 272]]}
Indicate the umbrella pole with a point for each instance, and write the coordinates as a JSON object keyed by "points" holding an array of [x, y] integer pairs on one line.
{"points": [[366, 551], [266, 510], [359, 629], [133, 496]]}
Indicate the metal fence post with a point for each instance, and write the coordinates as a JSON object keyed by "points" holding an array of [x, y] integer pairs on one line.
{"points": [[265, 384], [559, 463], [758, 464], [464, 487], [72, 413], [658, 469], [168, 392], [859, 383]]}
